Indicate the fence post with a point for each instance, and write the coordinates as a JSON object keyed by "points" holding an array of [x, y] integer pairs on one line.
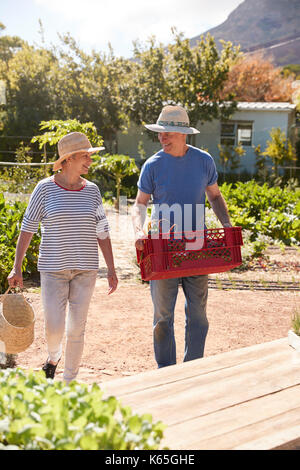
{"points": [[45, 157]]}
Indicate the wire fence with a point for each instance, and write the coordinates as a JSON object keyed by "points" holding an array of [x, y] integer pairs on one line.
{"points": [[25, 164], [45, 153]]}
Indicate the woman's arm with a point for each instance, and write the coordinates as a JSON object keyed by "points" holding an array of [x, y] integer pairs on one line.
{"points": [[106, 248], [15, 278]]}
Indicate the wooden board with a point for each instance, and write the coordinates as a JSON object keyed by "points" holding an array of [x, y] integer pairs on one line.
{"points": [[247, 398], [190, 369]]}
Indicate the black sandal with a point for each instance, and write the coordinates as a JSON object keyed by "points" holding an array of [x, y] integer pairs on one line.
{"points": [[49, 369]]}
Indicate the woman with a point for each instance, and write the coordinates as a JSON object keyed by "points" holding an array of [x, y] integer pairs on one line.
{"points": [[73, 223]]}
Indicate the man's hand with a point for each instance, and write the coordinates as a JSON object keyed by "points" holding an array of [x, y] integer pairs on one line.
{"points": [[227, 224], [139, 213], [139, 239]]}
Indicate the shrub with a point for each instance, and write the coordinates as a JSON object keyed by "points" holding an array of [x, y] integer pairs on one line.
{"points": [[11, 215], [270, 211], [40, 414], [296, 323]]}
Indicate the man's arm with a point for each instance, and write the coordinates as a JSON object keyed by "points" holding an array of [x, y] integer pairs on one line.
{"points": [[139, 213], [218, 204]]}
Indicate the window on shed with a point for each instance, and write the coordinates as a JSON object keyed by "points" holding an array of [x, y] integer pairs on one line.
{"points": [[227, 133], [244, 134], [234, 133]]}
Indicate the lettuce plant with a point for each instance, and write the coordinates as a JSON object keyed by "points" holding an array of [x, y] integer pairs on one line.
{"points": [[41, 414]]}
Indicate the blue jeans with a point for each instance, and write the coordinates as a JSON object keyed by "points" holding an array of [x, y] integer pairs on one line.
{"points": [[164, 295]]}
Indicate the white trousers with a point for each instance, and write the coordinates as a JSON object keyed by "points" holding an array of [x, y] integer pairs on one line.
{"points": [[75, 288]]}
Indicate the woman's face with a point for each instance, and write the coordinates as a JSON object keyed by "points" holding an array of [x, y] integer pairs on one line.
{"points": [[81, 162]]}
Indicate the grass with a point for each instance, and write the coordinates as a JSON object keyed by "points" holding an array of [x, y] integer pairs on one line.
{"points": [[296, 323]]}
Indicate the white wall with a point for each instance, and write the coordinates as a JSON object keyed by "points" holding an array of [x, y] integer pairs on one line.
{"points": [[128, 143], [263, 122]]}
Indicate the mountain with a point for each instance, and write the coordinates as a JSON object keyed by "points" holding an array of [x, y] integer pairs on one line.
{"points": [[270, 26]]}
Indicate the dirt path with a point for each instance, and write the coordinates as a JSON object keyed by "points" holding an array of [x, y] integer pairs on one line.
{"points": [[119, 328]]}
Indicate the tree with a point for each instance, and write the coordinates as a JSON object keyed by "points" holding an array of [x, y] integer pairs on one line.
{"points": [[8, 45], [93, 88], [196, 77], [190, 76], [66, 83], [230, 157], [260, 164], [30, 78], [291, 69], [253, 78], [147, 83], [56, 129], [117, 167], [279, 149], [63, 83]]}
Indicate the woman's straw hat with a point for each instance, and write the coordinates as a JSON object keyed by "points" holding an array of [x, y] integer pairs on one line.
{"points": [[173, 119], [17, 320], [72, 143]]}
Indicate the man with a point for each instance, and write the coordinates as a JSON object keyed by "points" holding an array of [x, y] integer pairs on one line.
{"points": [[179, 176]]}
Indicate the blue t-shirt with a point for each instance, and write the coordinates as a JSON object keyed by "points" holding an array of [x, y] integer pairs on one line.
{"points": [[178, 183]]}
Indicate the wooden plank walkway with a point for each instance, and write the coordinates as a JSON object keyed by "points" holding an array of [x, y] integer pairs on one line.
{"points": [[243, 399]]}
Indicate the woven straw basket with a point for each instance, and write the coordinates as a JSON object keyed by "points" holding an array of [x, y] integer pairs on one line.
{"points": [[17, 320]]}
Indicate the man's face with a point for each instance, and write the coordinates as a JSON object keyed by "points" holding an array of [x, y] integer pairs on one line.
{"points": [[171, 142]]}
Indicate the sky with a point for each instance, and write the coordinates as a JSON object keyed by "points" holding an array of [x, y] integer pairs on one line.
{"points": [[96, 23]]}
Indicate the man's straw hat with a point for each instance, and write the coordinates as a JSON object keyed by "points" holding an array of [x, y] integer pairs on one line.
{"points": [[173, 119], [72, 143]]}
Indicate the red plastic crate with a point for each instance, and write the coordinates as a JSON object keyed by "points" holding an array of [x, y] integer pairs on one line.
{"points": [[172, 255]]}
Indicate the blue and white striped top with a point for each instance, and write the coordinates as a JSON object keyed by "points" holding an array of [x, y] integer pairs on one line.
{"points": [[71, 221]]}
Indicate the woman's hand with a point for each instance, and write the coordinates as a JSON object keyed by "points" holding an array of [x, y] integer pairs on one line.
{"points": [[112, 281], [15, 278]]}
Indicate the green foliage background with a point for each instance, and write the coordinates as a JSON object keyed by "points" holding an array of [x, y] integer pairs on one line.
{"points": [[62, 83], [264, 210]]}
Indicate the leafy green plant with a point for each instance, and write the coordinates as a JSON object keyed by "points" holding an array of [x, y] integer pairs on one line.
{"points": [[250, 249], [230, 157], [39, 414], [117, 167], [21, 178], [11, 215], [264, 210], [279, 149], [56, 129]]}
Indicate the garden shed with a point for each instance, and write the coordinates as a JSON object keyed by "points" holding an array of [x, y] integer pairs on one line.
{"points": [[250, 125]]}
